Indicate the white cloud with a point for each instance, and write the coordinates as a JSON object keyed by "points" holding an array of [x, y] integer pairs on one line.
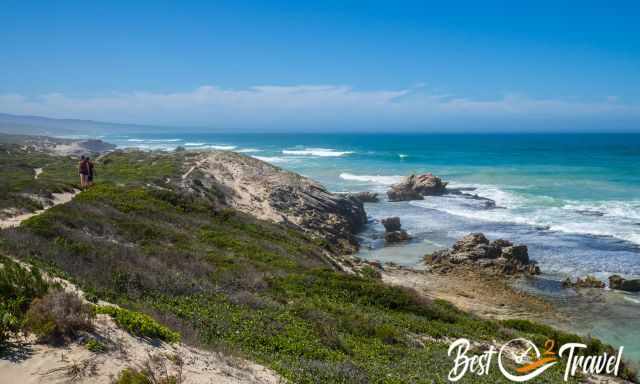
{"points": [[309, 106]]}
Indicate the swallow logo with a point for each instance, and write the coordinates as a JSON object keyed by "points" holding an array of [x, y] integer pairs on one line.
{"points": [[528, 369]]}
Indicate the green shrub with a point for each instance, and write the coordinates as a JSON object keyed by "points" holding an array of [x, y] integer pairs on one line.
{"points": [[132, 376], [8, 325], [18, 287], [155, 370], [95, 346], [139, 324], [58, 316]]}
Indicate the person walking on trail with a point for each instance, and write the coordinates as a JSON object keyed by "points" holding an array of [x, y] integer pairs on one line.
{"points": [[83, 169], [92, 172]]}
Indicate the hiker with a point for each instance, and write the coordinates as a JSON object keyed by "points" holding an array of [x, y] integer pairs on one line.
{"points": [[92, 172], [83, 169]]}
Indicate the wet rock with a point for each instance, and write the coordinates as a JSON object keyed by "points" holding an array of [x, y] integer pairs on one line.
{"points": [[415, 187], [586, 282], [437, 257], [396, 236], [501, 243], [533, 269], [500, 256], [620, 283], [365, 197], [489, 251], [519, 253], [470, 241], [391, 224]]}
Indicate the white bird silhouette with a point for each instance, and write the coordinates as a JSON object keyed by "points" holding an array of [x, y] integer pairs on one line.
{"points": [[521, 358]]}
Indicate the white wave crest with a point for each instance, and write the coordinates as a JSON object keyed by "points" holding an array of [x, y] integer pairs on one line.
{"points": [[222, 147], [248, 150], [375, 179], [272, 159], [320, 152], [194, 144], [543, 211]]}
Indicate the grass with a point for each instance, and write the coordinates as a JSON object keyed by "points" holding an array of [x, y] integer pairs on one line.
{"points": [[139, 324], [225, 280]]}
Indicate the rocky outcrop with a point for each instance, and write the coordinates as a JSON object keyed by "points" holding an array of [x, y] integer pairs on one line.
{"points": [[498, 256], [391, 224], [415, 187], [270, 193], [396, 236], [586, 282], [622, 284], [393, 230], [365, 197]]}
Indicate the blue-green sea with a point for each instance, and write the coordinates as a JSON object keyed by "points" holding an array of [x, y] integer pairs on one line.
{"points": [[574, 199]]}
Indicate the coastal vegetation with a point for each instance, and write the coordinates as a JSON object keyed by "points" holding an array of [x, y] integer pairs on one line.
{"points": [[185, 266]]}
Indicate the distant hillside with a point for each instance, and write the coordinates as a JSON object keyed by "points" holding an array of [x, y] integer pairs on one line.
{"points": [[37, 125]]}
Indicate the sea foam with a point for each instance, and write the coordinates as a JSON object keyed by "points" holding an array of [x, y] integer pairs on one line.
{"points": [[374, 179], [616, 219], [319, 152]]}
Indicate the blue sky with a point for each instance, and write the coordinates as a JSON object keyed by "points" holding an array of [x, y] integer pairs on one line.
{"points": [[333, 65]]}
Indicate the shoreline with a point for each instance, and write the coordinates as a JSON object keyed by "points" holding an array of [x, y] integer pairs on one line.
{"points": [[471, 291]]}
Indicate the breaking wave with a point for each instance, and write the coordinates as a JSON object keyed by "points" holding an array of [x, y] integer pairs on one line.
{"points": [[319, 152], [374, 179]]}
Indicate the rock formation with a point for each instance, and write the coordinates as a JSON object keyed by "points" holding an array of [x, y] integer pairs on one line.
{"points": [[365, 197], [499, 256], [393, 230], [271, 193], [587, 282], [620, 283], [391, 224], [415, 187]]}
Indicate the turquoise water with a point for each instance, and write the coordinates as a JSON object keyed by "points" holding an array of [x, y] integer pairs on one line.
{"points": [[574, 199]]}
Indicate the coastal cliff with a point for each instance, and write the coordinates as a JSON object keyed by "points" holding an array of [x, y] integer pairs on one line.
{"points": [[270, 193]]}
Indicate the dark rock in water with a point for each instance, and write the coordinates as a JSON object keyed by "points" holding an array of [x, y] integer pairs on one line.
{"points": [[365, 197], [414, 187], [396, 236], [620, 283], [391, 224], [590, 213], [470, 241], [615, 281], [489, 251], [587, 282], [499, 256], [404, 195], [519, 253], [631, 285], [501, 243], [533, 269]]}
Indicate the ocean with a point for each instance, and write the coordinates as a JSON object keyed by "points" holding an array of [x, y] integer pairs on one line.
{"points": [[574, 199]]}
